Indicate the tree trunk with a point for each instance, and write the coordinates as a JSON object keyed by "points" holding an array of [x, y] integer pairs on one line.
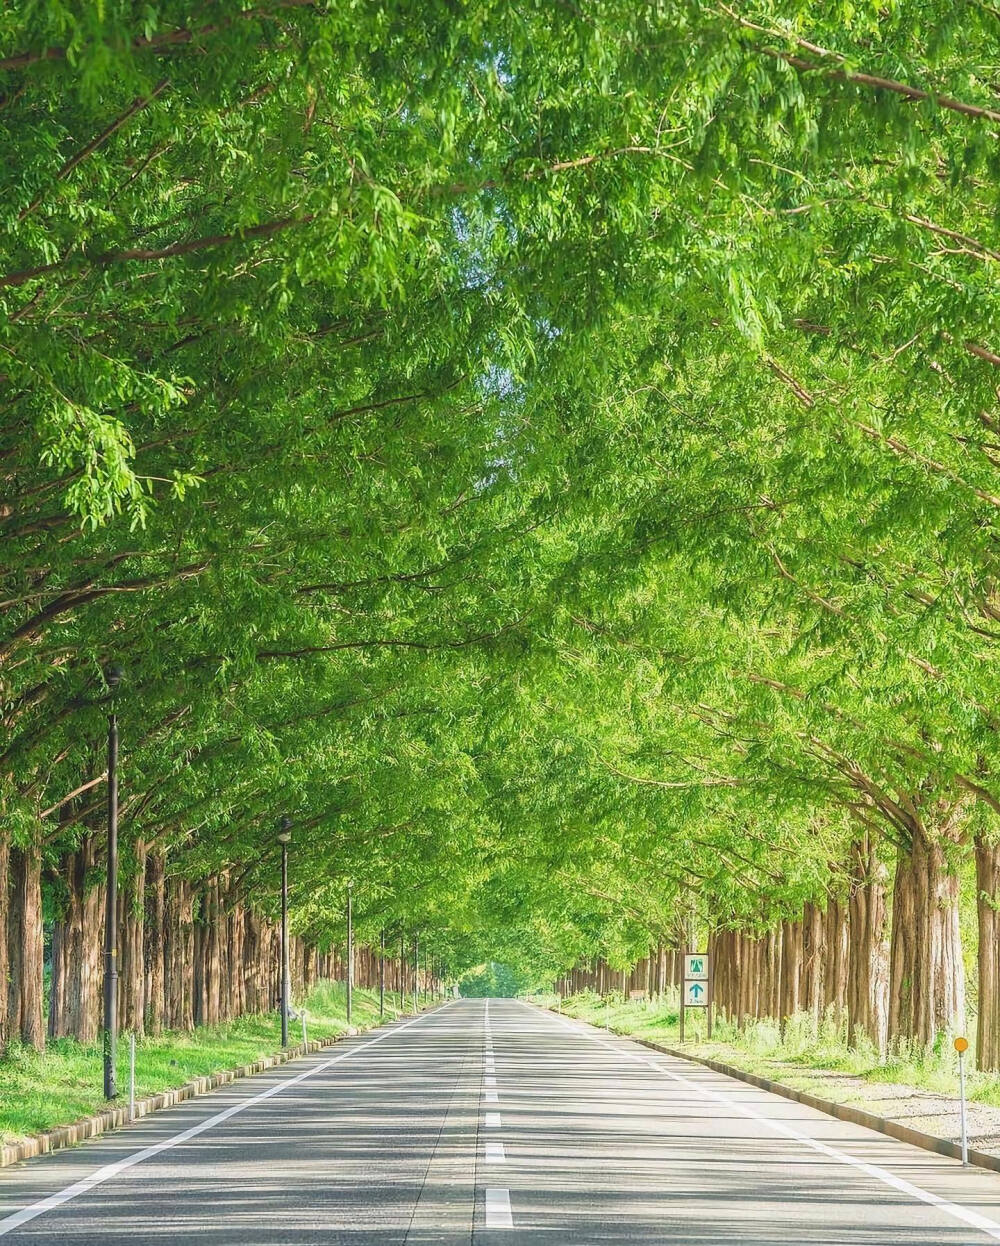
{"points": [[812, 961], [25, 947], [987, 905], [57, 980], [927, 984], [178, 956], [835, 956], [866, 961], [155, 944], [131, 936], [772, 984], [791, 968], [5, 923]]}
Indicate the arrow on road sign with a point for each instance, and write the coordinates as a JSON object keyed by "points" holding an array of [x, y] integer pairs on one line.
{"points": [[696, 989]]}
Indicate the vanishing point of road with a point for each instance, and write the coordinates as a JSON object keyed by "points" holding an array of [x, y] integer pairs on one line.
{"points": [[493, 1121]]}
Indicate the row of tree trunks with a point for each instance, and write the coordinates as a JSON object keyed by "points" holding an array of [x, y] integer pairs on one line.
{"points": [[835, 960], [77, 938], [926, 980], [189, 954], [797, 966], [651, 975], [867, 959]]}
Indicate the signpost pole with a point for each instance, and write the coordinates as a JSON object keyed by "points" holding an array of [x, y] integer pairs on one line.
{"points": [[711, 989], [682, 976]]}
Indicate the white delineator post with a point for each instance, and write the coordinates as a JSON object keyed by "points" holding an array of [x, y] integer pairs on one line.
{"points": [[131, 1077], [962, 1046]]}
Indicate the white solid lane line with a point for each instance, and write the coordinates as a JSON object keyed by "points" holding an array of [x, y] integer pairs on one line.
{"points": [[498, 1210], [495, 1153], [100, 1175], [974, 1218], [492, 1120]]}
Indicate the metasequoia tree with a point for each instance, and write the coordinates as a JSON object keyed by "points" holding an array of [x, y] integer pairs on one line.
{"points": [[558, 493]]}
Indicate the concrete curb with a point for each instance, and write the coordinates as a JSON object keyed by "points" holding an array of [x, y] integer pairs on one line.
{"points": [[842, 1111], [115, 1118]]}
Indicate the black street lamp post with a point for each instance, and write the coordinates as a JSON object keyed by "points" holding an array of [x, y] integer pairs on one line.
{"points": [[113, 677], [284, 839]]}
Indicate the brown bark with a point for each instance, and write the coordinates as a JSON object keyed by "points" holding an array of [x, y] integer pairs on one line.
{"points": [[813, 953], [4, 926], [25, 947], [206, 957], [57, 982], [791, 968], [77, 931], [866, 961], [155, 944], [131, 933], [927, 984], [772, 1006], [987, 906], [177, 956], [835, 957]]}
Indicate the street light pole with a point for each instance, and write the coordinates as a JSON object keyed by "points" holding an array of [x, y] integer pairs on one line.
{"points": [[416, 973], [113, 677], [284, 839], [350, 953]]}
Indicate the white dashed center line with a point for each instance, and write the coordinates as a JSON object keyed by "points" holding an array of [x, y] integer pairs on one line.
{"points": [[498, 1210]]}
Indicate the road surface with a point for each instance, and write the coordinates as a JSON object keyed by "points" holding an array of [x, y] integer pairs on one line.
{"points": [[493, 1122]]}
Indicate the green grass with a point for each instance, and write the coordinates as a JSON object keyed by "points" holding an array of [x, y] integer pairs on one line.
{"points": [[40, 1091], [801, 1057]]}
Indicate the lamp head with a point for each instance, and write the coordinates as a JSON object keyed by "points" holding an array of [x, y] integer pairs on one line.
{"points": [[285, 831], [114, 673]]}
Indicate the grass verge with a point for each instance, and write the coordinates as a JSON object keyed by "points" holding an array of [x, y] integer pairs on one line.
{"points": [[800, 1056], [42, 1090]]}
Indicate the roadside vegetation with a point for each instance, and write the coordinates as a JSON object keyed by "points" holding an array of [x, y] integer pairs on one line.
{"points": [[41, 1090]]}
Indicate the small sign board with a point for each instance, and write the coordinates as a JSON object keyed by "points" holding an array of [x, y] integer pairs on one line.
{"points": [[695, 994], [637, 994], [695, 967]]}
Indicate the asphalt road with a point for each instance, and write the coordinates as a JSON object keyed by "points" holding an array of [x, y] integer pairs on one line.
{"points": [[487, 1123]]}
